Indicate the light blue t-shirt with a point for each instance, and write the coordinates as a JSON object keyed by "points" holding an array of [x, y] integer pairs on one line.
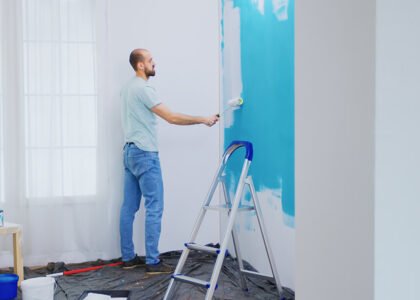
{"points": [[139, 122]]}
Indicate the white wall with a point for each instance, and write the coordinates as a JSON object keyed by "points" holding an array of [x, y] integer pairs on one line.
{"points": [[334, 109], [397, 205], [183, 38]]}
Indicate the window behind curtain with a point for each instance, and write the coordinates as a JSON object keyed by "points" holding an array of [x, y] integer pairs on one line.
{"points": [[60, 97]]}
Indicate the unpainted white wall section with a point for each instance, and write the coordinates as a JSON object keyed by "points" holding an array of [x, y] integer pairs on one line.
{"points": [[334, 109]]}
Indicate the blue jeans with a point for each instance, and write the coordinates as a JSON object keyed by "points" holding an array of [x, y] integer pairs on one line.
{"points": [[142, 177]]}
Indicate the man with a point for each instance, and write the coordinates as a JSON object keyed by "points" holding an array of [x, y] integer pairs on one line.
{"points": [[142, 173]]}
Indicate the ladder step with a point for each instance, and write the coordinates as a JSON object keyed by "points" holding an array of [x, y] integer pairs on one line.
{"points": [[223, 207], [194, 246], [191, 280]]}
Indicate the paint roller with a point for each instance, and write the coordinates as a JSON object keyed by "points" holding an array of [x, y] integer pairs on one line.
{"points": [[232, 103]]}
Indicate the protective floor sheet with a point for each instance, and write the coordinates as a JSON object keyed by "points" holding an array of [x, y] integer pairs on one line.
{"points": [[143, 286]]}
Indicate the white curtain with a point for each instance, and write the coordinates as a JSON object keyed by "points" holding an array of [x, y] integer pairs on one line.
{"points": [[60, 175]]}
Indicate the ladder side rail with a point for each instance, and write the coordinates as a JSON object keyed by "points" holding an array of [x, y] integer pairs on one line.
{"points": [[235, 241], [199, 220], [223, 246], [264, 234]]}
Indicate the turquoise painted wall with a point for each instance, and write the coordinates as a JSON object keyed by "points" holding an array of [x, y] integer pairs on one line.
{"points": [[266, 50]]}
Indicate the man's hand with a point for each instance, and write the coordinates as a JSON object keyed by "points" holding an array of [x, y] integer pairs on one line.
{"points": [[180, 119], [210, 121]]}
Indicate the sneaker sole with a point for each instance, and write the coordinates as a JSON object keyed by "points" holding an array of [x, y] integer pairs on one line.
{"points": [[133, 267]]}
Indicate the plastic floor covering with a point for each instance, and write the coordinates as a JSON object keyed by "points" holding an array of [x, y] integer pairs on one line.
{"points": [[143, 286]]}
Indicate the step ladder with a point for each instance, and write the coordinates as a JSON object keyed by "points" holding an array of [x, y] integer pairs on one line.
{"points": [[232, 209]]}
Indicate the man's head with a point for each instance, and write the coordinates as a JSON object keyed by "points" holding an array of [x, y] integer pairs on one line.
{"points": [[142, 62]]}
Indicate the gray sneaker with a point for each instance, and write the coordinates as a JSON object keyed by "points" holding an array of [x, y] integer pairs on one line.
{"points": [[160, 268], [133, 263]]}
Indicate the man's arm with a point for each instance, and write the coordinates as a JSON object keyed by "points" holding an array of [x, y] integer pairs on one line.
{"points": [[180, 119]]}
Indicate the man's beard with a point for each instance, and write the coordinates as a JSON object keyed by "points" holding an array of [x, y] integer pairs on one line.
{"points": [[150, 73]]}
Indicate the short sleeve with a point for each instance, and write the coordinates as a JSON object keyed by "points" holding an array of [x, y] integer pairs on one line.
{"points": [[149, 97]]}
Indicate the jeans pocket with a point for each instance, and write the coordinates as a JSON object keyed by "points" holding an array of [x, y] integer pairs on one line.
{"points": [[133, 151], [140, 161]]}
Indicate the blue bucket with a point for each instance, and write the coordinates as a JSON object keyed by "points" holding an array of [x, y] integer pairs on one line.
{"points": [[8, 286]]}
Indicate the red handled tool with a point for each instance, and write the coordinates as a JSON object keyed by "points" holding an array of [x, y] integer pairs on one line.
{"points": [[77, 271]]}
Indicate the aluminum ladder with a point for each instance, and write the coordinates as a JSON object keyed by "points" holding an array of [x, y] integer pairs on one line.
{"points": [[232, 210]]}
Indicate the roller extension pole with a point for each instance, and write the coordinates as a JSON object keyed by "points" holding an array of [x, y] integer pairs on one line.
{"points": [[78, 271]]}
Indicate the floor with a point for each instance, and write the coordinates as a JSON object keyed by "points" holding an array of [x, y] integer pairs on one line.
{"points": [[142, 286]]}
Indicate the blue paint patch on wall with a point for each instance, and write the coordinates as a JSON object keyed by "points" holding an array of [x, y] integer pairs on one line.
{"points": [[267, 117]]}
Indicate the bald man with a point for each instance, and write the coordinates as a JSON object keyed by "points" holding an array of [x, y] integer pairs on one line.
{"points": [[142, 173]]}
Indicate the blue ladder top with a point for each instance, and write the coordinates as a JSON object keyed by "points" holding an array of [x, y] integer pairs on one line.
{"points": [[236, 145]]}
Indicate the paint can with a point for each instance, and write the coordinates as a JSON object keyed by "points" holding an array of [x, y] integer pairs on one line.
{"points": [[39, 288], [1, 218]]}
